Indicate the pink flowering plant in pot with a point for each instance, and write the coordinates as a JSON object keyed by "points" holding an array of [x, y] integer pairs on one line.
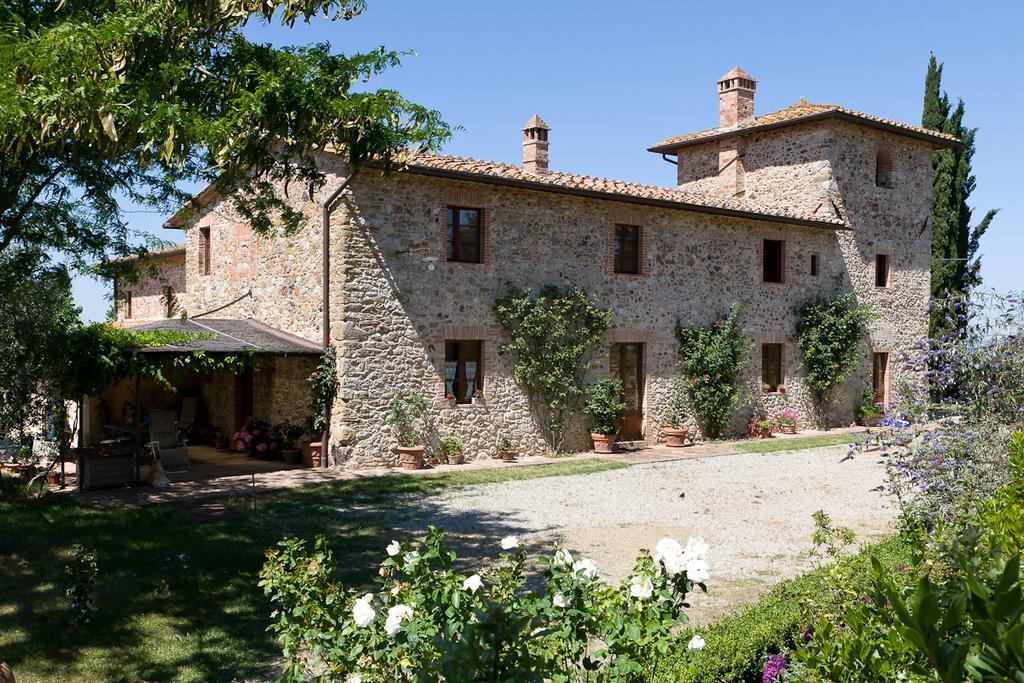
{"points": [[429, 620], [788, 420], [258, 438]]}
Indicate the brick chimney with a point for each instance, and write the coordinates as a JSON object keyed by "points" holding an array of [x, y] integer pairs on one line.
{"points": [[535, 146], [735, 97]]}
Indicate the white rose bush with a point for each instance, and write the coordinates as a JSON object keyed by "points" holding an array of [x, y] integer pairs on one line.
{"points": [[426, 621]]}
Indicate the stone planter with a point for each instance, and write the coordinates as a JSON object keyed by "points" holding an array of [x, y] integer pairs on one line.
{"points": [[675, 438], [602, 442], [411, 457], [291, 456], [457, 459], [788, 429]]}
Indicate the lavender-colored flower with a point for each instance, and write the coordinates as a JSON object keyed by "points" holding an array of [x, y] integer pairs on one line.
{"points": [[776, 664], [808, 634]]}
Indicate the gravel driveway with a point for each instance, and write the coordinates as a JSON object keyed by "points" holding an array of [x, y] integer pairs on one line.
{"points": [[754, 510]]}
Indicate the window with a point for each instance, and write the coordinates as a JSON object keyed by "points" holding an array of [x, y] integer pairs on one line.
{"points": [[464, 235], [463, 370], [814, 265], [170, 301], [627, 249], [771, 367], [881, 270], [204, 251], [128, 304], [879, 374], [773, 259], [883, 168]]}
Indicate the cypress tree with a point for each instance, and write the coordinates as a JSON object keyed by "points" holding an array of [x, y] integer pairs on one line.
{"points": [[955, 262]]}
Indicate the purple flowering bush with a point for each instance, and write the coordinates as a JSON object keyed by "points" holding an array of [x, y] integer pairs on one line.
{"points": [[258, 438]]}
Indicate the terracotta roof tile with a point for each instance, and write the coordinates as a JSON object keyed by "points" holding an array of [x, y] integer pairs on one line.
{"points": [[172, 250], [797, 113], [555, 181]]}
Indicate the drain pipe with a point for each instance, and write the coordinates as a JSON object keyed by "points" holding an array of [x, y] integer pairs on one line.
{"points": [[330, 204]]}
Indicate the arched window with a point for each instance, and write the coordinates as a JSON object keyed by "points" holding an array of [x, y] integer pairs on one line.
{"points": [[883, 168]]}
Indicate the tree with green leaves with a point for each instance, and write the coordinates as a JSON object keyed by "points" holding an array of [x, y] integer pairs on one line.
{"points": [[955, 262], [106, 101]]}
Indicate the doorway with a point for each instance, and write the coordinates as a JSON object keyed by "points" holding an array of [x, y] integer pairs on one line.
{"points": [[880, 375], [626, 361]]}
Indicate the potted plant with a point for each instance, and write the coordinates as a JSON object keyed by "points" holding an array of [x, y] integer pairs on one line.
{"points": [[258, 438], [478, 395], [605, 407], [405, 416], [675, 418], [506, 449], [787, 420], [760, 427], [868, 413], [289, 434], [452, 448]]}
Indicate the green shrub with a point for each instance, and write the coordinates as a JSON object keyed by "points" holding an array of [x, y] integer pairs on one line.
{"points": [[737, 645], [605, 406], [452, 447], [406, 417], [679, 407]]}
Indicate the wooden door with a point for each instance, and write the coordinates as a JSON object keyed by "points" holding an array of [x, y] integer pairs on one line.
{"points": [[626, 362]]}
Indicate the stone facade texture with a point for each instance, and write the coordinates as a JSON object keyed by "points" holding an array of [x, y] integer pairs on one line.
{"points": [[395, 300]]}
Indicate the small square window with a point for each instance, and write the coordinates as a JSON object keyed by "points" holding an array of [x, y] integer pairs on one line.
{"points": [[881, 270], [771, 366], [627, 249], [465, 236], [772, 260], [814, 265], [463, 370]]}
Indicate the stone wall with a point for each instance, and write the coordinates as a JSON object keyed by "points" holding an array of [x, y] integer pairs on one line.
{"points": [[148, 291]]}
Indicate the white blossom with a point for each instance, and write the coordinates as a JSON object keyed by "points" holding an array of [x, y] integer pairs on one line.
{"points": [[354, 678], [394, 548], [670, 554], [587, 567], [472, 584], [411, 558], [641, 587], [362, 611], [698, 571], [558, 600], [563, 557], [509, 543], [696, 643], [396, 615], [696, 549]]}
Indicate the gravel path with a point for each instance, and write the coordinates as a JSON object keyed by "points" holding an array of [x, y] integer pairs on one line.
{"points": [[754, 510]]}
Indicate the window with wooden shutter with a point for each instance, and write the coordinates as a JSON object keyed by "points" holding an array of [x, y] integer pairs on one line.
{"points": [[204, 251]]}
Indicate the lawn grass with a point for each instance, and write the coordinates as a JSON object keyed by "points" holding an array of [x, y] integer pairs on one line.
{"points": [[176, 596], [776, 445]]}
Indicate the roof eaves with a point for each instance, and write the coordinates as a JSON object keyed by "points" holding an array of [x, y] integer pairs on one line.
{"points": [[625, 198]]}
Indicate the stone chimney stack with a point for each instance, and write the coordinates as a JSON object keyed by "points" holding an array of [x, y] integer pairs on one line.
{"points": [[535, 146], [735, 97]]}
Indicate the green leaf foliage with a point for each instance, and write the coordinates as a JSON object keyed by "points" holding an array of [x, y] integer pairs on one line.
{"points": [[605, 406], [554, 335], [101, 102], [712, 358], [830, 334]]}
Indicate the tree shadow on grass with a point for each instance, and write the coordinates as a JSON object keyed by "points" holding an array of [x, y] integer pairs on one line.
{"points": [[177, 596]]}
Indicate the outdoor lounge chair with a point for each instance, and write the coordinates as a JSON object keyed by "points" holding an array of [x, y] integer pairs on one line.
{"points": [[163, 434]]}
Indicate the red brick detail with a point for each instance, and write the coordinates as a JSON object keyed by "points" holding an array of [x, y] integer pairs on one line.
{"points": [[624, 216]]}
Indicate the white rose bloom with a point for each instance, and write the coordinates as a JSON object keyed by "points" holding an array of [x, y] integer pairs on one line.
{"points": [[563, 557], [698, 571], [362, 612], [509, 543], [396, 615], [411, 558], [641, 587], [558, 600], [394, 548], [669, 553], [472, 584], [587, 567], [696, 643], [696, 549], [353, 678]]}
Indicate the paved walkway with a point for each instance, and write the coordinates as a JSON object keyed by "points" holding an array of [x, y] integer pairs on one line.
{"points": [[188, 487]]}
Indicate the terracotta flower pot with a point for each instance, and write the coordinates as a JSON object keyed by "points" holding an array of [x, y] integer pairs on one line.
{"points": [[411, 457], [602, 442], [53, 477], [675, 438], [788, 429]]}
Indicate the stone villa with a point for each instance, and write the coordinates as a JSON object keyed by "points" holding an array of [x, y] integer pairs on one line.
{"points": [[768, 211]]}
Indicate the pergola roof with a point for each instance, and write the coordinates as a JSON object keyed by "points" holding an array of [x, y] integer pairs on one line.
{"points": [[229, 335]]}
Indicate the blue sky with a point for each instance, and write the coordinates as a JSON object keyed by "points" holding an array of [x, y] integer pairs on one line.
{"points": [[611, 78]]}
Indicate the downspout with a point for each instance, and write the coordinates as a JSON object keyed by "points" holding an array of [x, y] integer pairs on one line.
{"points": [[330, 204]]}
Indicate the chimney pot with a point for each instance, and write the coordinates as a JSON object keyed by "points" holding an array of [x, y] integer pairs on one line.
{"points": [[735, 98], [535, 145]]}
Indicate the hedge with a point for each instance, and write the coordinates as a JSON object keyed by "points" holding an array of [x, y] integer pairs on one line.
{"points": [[736, 646]]}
